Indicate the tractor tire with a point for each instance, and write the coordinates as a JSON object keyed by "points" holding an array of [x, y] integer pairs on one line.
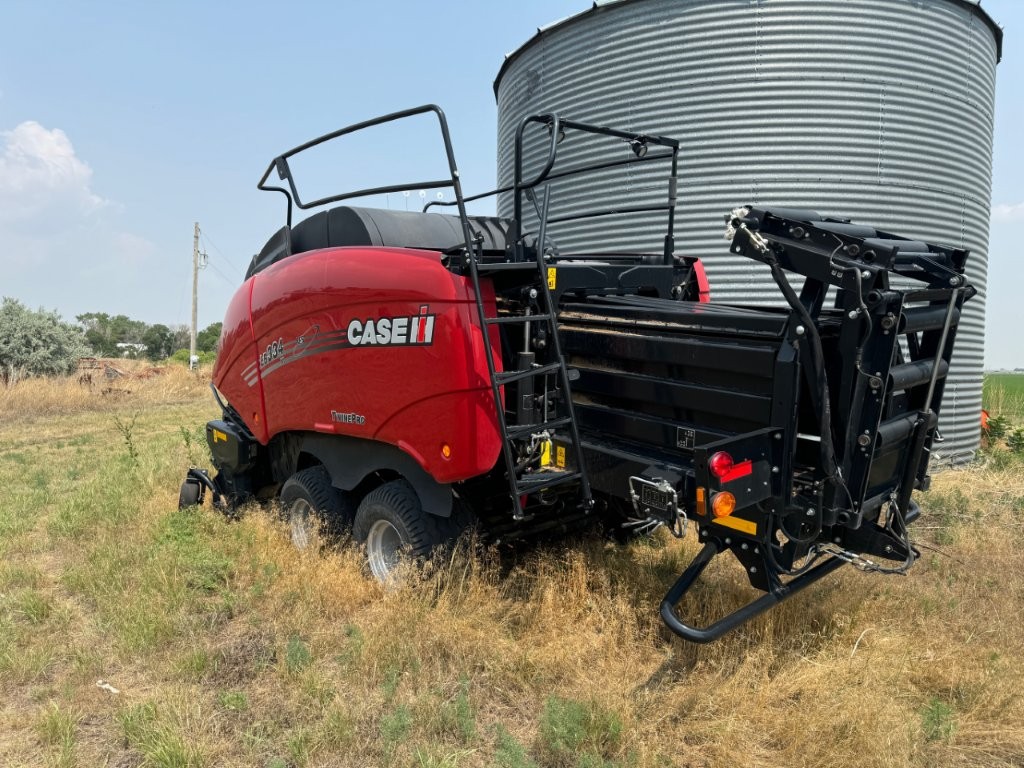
{"points": [[392, 524], [315, 510], [190, 495]]}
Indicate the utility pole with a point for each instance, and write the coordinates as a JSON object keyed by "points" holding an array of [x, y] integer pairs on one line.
{"points": [[195, 298], [198, 262]]}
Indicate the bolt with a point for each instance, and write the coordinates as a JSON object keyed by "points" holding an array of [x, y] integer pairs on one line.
{"points": [[888, 548], [875, 382], [728, 541], [837, 540], [853, 314], [533, 293], [753, 569], [863, 441], [775, 470], [744, 545], [757, 551], [800, 330], [778, 435], [865, 274], [954, 281], [810, 512]]}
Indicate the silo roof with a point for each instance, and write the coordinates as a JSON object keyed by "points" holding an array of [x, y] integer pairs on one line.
{"points": [[601, 5]]}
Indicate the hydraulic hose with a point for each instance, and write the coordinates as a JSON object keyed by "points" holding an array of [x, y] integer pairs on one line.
{"points": [[828, 456]]}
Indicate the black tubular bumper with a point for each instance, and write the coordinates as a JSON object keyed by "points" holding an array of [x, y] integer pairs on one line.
{"points": [[775, 596]]}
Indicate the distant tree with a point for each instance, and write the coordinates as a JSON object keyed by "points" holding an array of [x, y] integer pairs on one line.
{"points": [[97, 333], [104, 332], [36, 343], [182, 337], [159, 341], [206, 339]]}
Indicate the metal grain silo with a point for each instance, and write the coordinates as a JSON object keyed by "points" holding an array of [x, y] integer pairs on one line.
{"points": [[879, 110]]}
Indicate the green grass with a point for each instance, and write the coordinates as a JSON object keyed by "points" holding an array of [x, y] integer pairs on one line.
{"points": [[576, 732], [1003, 394], [56, 729], [230, 648]]}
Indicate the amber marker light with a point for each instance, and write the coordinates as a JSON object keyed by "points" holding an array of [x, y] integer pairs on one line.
{"points": [[702, 507], [446, 450], [723, 504]]}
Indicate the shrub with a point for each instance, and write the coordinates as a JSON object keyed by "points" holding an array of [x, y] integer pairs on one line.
{"points": [[36, 343], [1015, 440], [997, 427]]}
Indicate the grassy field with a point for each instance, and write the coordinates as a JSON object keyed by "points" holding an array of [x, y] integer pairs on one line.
{"points": [[217, 644], [1003, 393]]}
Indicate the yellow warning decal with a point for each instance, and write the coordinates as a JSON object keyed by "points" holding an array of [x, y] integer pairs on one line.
{"points": [[560, 456], [552, 278], [746, 526], [219, 437], [545, 453]]}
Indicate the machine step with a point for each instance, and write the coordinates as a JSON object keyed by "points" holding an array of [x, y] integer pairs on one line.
{"points": [[510, 376], [515, 433]]}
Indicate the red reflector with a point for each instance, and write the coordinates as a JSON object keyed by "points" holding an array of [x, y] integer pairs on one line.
{"points": [[720, 464], [737, 471]]}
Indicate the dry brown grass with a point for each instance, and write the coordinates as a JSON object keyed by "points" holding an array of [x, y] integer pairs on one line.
{"points": [[140, 385], [231, 648]]}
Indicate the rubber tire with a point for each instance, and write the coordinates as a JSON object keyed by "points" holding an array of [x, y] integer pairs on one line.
{"points": [[189, 494], [396, 503], [333, 508]]}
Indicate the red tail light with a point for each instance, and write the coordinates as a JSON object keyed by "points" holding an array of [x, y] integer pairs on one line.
{"points": [[720, 464]]}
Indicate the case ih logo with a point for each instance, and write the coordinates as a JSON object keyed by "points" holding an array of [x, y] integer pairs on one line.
{"points": [[403, 331], [396, 331]]}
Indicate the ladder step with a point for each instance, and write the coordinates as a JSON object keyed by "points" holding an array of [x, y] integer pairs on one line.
{"points": [[516, 432], [510, 376], [543, 480], [516, 319]]}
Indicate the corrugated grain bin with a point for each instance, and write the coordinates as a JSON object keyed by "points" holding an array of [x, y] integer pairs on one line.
{"points": [[878, 110]]}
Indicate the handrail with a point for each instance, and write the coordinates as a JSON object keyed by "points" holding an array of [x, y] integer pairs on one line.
{"points": [[280, 164], [556, 128]]}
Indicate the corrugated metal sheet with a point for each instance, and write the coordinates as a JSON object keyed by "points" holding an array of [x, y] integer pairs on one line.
{"points": [[880, 110]]}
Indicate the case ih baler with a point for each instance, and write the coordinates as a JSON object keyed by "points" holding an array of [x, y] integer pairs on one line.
{"points": [[402, 373]]}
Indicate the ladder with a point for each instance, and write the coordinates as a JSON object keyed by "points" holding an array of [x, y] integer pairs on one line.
{"points": [[514, 434]]}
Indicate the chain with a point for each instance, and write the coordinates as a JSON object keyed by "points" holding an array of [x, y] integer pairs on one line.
{"points": [[648, 525], [865, 564], [870, 566]]}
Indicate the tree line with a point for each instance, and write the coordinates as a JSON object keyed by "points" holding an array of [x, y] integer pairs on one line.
{"points": [[40, 343]]}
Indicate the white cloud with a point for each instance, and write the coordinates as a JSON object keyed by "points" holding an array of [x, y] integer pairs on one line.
{"points": [[42, 180], [1008, 212], [64, 246]]}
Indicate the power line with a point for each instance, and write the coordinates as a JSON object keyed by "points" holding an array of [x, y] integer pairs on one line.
{"points": [[222, 276], [213, 245]]}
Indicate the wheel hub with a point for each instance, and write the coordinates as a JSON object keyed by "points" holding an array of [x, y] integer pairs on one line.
{"points": [[383, 549], [300, 518]]}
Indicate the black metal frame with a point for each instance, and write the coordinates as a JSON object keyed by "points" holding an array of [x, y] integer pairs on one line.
{"points": [[280, 164]]}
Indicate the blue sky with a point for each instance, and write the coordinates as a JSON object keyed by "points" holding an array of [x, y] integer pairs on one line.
{"points": [[122, 123]]}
